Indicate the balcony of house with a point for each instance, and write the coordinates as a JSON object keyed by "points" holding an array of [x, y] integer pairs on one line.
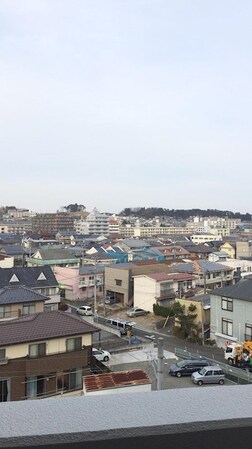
{"points": [[57, 361], [90, 283], [31, 261], [214, 278], [168, 293], [164, 419]]}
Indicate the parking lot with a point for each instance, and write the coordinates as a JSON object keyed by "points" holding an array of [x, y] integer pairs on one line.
{"points": [[144, 359]]}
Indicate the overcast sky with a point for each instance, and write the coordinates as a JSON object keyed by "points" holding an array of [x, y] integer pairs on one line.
{"points": [[123, 103]]}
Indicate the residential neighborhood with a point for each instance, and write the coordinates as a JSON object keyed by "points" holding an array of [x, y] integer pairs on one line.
{"points": [[71, 279]]}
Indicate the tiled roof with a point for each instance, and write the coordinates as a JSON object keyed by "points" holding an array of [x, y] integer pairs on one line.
{"points": [[86, 269], [171, 277], [32, 277], [15, 295], [12, 250], [204, 266], [116, 380], [135, 243], [54, 254], [242, 290], [43, 326]]}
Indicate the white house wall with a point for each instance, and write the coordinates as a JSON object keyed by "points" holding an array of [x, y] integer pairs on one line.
{"points": [[145, 293]]}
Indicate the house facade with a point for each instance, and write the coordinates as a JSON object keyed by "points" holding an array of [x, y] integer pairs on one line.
{"points": [[229, 248], [20, 301], [40, 279], [53, 257], [231, 313], [50, 351], [79, 283], [160, 288]]}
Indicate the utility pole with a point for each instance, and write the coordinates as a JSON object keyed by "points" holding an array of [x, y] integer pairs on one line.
{"points": [[95, 298], [160, 363]]}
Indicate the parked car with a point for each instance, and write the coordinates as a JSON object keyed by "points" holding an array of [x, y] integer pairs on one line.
{"points": [[187, 367], [209, 375], [124, 326], [136, 311], [102, 356], [84, 310], [110, 300]]}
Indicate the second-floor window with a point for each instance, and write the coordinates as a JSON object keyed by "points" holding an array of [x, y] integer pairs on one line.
{"points": [[73, 344], [227, 327], [5, 312], [28, 309], [227, 304], [118, 282], [248, 332], [37, 350]]}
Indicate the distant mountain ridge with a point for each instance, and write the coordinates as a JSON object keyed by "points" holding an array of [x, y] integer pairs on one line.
{"points": [[151, 212]]}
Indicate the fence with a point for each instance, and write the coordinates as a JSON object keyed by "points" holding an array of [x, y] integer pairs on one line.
{"points": [[232, 373]]}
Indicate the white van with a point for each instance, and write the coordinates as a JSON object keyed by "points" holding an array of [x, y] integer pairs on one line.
{"points": [[84, 310], [122, 325]]}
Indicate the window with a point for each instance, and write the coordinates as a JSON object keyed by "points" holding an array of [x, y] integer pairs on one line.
{"points": [[29, 309], [227, 327], [4, 390], [2, 354], [5, 312], [37, 350], [227, 304], [248, 332], [73, 344], [118, 282]]}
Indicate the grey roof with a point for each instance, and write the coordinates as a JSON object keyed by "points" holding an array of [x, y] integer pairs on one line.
{"points": [[86, 269], [15, 295], [28, 276], [205, 267], [135, 243], [43, 326], [201, 248], [204, 299], [13, 250], [54, 254], [242, 290]]}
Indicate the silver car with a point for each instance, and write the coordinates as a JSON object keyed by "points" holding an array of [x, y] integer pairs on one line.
{"points": [[136, 311], [209, 375]]}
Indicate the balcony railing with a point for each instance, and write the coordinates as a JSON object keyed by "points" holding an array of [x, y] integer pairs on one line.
{"points": [[164, 419]]}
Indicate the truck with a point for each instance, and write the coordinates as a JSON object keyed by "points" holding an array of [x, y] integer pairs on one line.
{"points": [[239, 354]]}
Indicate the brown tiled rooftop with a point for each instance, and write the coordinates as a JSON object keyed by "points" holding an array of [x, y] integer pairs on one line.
{"points": [[43, 326]]}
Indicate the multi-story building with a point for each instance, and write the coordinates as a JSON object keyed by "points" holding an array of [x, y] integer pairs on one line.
{"points": [[129, 231], [80, 283], [15, 227], [96, 223], [53, 222], [231, 313], [43, 355], [160, 288]]}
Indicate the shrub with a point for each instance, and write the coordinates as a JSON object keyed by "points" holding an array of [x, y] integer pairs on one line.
{"points": [[162, 311], [62, 306]]}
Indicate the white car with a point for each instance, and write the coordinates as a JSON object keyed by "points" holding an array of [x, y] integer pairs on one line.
{"points": [[102, 356], [84, 310]]}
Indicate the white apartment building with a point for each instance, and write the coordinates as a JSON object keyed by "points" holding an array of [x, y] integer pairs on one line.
{"points": [[149, 231], [96, 223], [204, 238]]}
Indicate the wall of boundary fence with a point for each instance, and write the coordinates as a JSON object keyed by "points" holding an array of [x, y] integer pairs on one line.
{"points": [[237, 375]]}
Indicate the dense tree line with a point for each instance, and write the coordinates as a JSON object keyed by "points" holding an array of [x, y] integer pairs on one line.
{"points": [[151, 212]]}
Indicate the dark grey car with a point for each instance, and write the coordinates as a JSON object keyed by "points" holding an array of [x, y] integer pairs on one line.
{"points": [[187, 367]]}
